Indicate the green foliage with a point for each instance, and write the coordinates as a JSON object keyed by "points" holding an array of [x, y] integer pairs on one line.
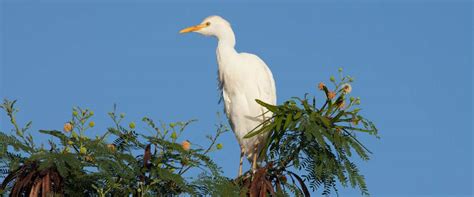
{"points": [[309, 143], [133, 164], [318, 141]]}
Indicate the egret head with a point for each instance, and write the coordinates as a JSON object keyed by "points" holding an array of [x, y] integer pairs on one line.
{"points": [[210, 26]]}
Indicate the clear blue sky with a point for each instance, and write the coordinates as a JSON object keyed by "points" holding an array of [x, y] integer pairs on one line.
{"points": [[412, 62]]}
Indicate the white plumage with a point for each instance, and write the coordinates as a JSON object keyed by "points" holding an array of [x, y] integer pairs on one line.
{"points": [[243, 78]]}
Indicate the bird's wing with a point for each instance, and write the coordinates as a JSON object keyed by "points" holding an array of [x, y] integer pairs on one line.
{"points": [[263, 80]]}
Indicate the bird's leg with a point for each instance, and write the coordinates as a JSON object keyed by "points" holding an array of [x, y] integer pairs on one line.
{"points": [[241, 160], [254, 159]]}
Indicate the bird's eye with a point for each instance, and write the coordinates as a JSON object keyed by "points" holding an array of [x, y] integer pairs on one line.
{"points": [[208, 23]]}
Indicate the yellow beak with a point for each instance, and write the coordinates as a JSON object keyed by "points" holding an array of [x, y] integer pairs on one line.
{"points": [[192, 28]]}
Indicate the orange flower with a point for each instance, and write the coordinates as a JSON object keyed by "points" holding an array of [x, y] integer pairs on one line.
{"points": [[321, 86], [331, 95], [347, 88], [111, 147], [89, 158], [67, 127], [186, 145]]}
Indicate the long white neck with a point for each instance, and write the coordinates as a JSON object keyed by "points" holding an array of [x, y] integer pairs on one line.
{"points": [[225, 54], [226, 37]]}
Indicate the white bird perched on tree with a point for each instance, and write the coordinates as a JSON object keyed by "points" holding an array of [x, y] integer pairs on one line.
{"points": [[243, 77]]}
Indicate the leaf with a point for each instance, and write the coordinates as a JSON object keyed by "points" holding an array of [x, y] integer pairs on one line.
{"points": [[272, 108], [264, 129], [298, 115], [278, 122], [55, 133], [303, 186], [288, 121]]}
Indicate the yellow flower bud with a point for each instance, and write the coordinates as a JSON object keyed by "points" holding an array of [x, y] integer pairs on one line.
{"points": [[174, 135], [355, 121], [132, 125], [172, 124], [91, 124], [74, 135], [74, 113], [70, 142], [219, 146], [83, 150]]}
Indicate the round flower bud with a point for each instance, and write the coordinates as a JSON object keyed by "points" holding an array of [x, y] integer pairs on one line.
{"points": [[122, 115], [172, 124], [355, 121], [219, 146], [70, 142], [91, 113], [91, 124], [74, 135], [332, 79], [83, 150], [74, 113], [174, 135], [351, 79], [132, 125]]}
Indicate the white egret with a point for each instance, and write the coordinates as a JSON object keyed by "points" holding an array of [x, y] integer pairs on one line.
{"points": [[243, 77]]}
